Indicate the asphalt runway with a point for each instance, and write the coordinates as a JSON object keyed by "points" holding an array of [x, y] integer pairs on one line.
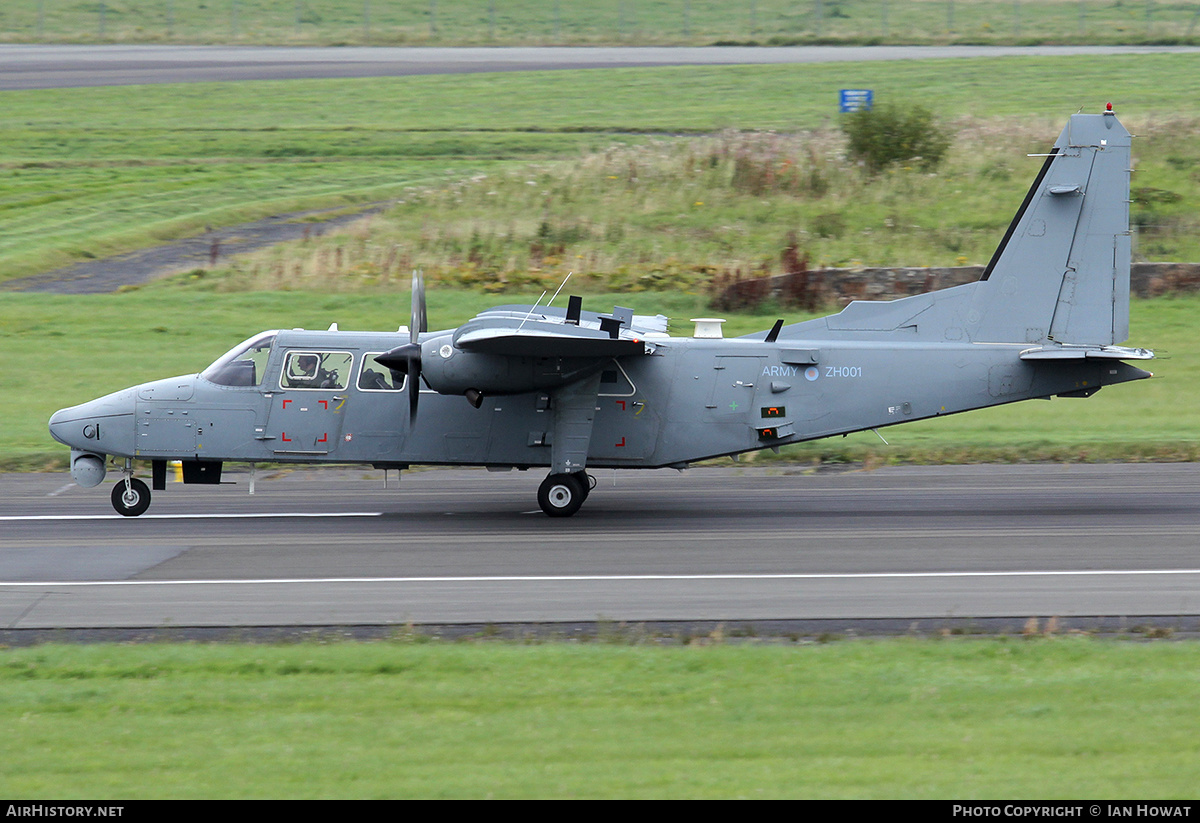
{"points": [[57, 66], [319, 547]]}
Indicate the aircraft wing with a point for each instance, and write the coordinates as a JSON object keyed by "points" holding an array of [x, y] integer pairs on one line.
{"points": [[540, 338], [639, 324]]}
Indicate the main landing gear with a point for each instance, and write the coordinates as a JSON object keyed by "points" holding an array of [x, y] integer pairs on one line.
{"points": [[561, 495]]}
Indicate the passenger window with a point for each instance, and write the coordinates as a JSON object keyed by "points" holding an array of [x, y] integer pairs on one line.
{"points": [[316, 370], [374, 377]]}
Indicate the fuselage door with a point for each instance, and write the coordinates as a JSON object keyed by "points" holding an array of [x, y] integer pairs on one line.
{"points": [[307, 411], [734, 380], [627, 419]]}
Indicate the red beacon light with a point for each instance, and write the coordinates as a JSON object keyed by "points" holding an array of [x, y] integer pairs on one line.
{"points": [[1108, 108]]}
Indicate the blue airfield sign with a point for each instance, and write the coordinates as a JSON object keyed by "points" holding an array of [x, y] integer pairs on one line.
{"points": [[856, 100]]}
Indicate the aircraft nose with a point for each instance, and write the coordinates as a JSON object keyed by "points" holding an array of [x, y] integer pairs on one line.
{"points": [[79, 426], [58, 426], [98, 425]]}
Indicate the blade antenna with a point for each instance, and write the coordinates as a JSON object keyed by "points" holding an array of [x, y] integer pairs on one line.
{"points": [[773, 334]]}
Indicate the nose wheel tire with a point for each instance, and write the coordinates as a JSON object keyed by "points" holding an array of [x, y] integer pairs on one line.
{"points": [[132, 499], [561, 495]]}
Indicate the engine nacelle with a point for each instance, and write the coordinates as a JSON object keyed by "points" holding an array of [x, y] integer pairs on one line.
{"points": [[450, 370]]}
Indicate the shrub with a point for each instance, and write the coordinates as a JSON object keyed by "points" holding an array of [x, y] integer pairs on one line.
{"points": [[890, 134]]}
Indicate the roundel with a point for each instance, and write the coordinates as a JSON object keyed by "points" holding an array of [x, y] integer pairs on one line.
{"points": [[811, 373]]}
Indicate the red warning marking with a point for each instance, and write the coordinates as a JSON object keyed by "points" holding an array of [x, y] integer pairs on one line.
{"points": [[285, 402], [283, 436], [622, 443], [324, 438], [621, 403], [324, 403]]}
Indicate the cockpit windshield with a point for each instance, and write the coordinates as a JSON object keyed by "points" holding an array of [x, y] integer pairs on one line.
{"points": [[243, 365]]}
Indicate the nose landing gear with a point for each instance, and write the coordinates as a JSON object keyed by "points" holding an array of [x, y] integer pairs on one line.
{"points": [[130, 497]]}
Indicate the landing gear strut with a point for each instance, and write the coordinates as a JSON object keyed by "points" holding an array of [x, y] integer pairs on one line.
{"points": [[130, 497], [561, 495]]}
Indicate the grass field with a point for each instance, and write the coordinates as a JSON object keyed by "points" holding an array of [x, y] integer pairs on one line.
{"points": [[1018, 718], [91, 172], [599, 22]]}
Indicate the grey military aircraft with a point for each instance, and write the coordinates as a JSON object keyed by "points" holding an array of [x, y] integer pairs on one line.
{"points": [[571, 390]]}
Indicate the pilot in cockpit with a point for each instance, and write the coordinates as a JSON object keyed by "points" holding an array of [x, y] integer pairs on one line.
{"points": [[305, 372]]}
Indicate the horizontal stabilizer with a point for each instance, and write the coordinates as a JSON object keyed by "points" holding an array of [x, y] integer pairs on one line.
{"points": [[1086, 352]]}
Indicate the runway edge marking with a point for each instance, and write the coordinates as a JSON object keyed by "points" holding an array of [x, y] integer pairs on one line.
{"points": [[599, 578]]}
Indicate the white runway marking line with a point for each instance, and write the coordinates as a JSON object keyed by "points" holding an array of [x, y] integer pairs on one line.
{"points": [[596, 578], [225, 516]]}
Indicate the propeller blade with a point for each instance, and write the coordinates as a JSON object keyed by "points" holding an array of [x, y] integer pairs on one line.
{"points": [[420, 320], [407, 358], [414, 392]]}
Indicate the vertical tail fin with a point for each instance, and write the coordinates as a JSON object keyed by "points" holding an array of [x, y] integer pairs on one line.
{"points": [[1061, 273]]}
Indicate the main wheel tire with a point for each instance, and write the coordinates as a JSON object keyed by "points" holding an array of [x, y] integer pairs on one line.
{"points": [[561, 495], [586, 482], [132, 500]]}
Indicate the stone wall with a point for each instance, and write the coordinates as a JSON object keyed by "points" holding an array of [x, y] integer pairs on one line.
{"points": [[837, 287], [1157, 279]]}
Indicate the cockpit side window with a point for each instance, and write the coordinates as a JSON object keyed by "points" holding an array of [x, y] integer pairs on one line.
{"points": [[245, 365], [374, 377], [316, 370]]}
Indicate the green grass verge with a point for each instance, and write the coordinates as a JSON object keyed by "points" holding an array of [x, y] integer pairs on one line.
{"points": [[599, 22], [1052, 718], [91, 172], [59, 350]]}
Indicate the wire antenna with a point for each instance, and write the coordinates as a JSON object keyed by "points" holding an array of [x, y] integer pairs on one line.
{"points": [[532, 309], [560, 288]]}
